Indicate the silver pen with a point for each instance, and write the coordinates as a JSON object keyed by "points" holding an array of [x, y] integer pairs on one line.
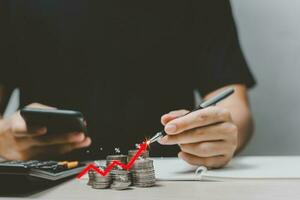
{"points": [[210, 102]]}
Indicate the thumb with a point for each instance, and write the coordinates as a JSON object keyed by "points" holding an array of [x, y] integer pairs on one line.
{"points": [[38, 105], [166, 118], [19, 128], [17, 123]]}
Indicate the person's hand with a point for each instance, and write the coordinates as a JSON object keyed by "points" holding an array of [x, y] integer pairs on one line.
{"points": [[17, 142], [206, 137]]}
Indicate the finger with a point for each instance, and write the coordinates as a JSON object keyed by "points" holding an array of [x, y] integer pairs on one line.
{"points": [[48, 140], [208, 133], [54, 150], [19, 129], [31, 133], [35, 131], [211, 162], [208, 149], [38, 105], [17, 123], [172, 115], [197, 119], [58, 139], [65, 148], [85, 143]]}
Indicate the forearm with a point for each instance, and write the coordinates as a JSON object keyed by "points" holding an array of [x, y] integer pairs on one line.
{"points": [[239, 108]]}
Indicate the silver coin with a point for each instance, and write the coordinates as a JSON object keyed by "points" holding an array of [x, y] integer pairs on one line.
{"points": [[143, 178], [142, 164], [136, 182], [119, 172], [145, 182], [132, 153], [140, 175], [101, 180], [120, 185], [143, 173], [111, 158], [100, 186]]}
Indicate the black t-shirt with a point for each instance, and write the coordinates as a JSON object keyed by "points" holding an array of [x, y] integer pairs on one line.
{"points": [[122, 63]]}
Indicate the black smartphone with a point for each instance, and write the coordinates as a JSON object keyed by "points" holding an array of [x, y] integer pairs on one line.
{"points": [[56, 121]]}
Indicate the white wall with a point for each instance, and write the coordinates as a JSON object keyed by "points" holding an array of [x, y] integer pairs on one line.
{"points": [[270, 37]]}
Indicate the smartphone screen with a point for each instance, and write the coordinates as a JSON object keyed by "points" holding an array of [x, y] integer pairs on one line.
{"points": [[55, 120]]}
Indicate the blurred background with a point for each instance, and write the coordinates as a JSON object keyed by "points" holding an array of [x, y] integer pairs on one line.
{"points": [[269, 32]]}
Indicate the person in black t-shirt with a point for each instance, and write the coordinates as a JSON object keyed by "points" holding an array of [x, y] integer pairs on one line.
{"points": [[125, 65]]}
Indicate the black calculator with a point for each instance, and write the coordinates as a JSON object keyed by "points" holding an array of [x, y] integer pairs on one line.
{"points": [[47, 170]]}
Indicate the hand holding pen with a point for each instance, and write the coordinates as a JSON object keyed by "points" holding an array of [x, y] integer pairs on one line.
{"points": [[206, 136]]}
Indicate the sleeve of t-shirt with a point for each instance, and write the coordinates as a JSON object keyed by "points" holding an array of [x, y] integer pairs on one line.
{"points": [[8, 72], [219, 59]]}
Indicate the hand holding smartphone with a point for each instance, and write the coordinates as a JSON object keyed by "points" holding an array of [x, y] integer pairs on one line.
{"points": [[55, 120]]}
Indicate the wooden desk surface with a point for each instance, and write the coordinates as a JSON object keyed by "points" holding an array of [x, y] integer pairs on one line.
{"points": [[240, 190]]}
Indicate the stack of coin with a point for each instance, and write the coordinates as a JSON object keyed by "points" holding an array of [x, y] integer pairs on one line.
{"points": [[143, 174], [91, 174], [121, 179], [111, 158], [101, 182], [131, 153]]}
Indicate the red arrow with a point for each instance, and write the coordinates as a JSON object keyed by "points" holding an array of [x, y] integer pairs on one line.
{"points": [[127, 166]]}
